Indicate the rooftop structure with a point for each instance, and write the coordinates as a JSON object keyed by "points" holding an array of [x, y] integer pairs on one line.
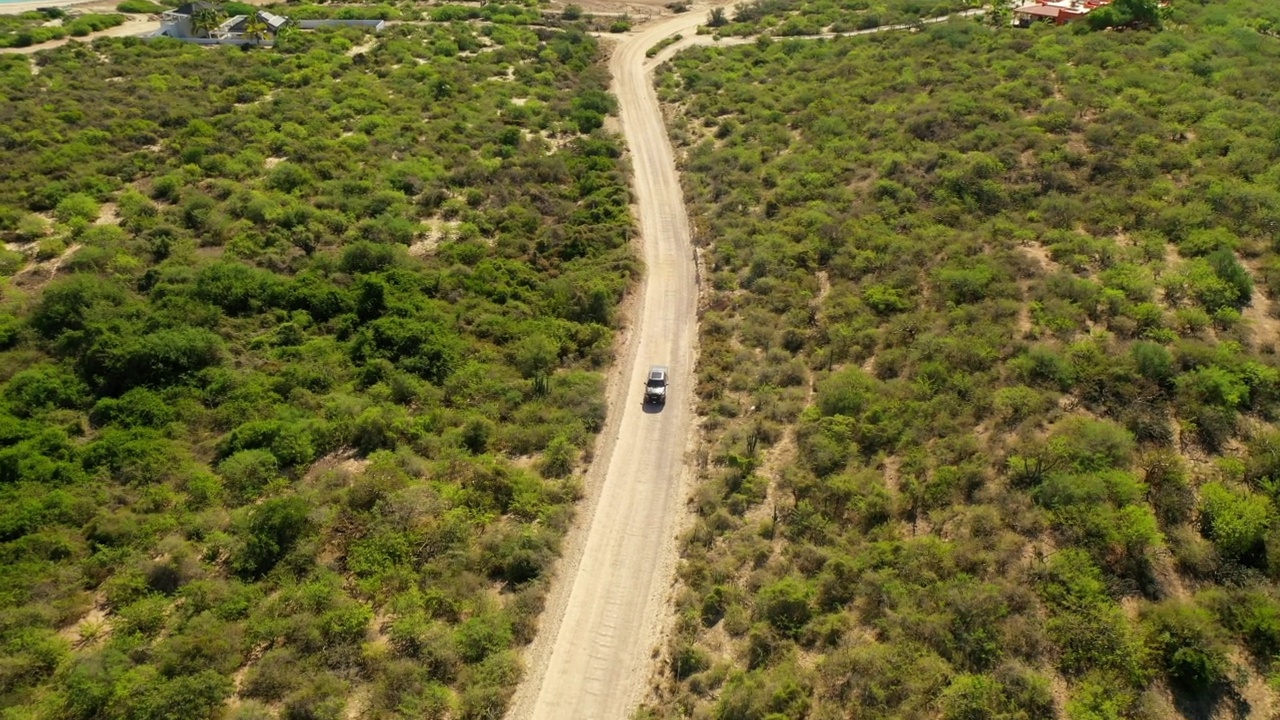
{"points": [[1057, 11], [206, 23]]}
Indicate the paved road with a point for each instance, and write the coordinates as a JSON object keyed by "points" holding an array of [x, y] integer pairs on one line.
{"points": [[593, 654]]}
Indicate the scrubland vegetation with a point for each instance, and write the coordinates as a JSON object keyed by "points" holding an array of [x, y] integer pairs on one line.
{"points": [[810, 17], [989, 373], [300, 352]]}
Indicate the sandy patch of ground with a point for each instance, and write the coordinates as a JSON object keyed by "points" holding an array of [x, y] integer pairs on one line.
{"points": [[364, 48], [1261, 313], [91, 628], [344, 462], [437, 231], [1040, 254], [39, 272], [108, 214]]}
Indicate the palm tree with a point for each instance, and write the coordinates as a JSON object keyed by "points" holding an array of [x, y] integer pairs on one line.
{"points": [[285, 32], [256, 29], [207, 18]]}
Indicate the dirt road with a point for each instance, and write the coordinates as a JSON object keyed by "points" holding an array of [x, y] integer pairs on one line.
{"points": [[128, 29], [594, 650]]}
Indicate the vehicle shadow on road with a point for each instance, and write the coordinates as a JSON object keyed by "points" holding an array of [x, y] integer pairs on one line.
{"points": [[652, 408]]}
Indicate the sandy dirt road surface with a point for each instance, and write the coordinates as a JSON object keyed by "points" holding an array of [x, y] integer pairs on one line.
{"points": [[604, 617]]}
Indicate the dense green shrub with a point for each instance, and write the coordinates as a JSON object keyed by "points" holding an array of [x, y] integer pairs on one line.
{"points": [[271, 530], [786, 605], [139, 6], [1236, 520], [1188, 643]]}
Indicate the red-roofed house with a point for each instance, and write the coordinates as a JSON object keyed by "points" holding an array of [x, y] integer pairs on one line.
{"points": [[1058, 12]]}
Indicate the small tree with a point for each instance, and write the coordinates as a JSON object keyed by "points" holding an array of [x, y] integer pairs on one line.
{"points": [[1126, 13], [999, 15], [536, 355], [1142, 13]]}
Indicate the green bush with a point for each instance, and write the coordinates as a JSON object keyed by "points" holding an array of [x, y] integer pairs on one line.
{"points": [[247, 472], [321, 697], [786, 604], [1189, 644], [970, 697], [688, 660], [1097, 638], [166, 357], [32, 655], [273, 676], [1236, 520], [139, 6], [146, 616], [559, 458], [64, 305], [753, 694], [137, 455], [271, 530], [346, 624], [44, 387], [139, 407], [82, 25], [480, 637], [1137, 13], [1092, 445]]}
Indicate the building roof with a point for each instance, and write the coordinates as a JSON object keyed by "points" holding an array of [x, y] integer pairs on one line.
{"points": [[1039, 10], [233, 24], [273, 21], [240, 22]]}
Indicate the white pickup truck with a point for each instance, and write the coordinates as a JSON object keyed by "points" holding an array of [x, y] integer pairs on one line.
{"points": [[655, 388]]}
